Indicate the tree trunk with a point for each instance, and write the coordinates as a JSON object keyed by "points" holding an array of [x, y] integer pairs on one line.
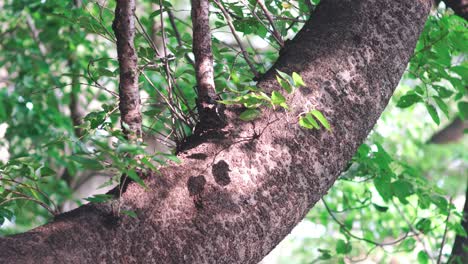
{"points": [[241, 189]]}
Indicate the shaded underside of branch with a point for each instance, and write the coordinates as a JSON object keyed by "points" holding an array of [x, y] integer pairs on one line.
{"points": [[241, 189]]}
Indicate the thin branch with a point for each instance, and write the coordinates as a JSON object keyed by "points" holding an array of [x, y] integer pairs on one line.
{"points": [[177, 34], [269, 17], [238, 40], [410, 225], [445, 235], [345, 229], [35, 35]]}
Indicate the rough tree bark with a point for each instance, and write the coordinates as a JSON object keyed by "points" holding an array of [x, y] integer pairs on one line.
{"points": [[207, 98], [202, 51], [242, 188], [130, 104]]}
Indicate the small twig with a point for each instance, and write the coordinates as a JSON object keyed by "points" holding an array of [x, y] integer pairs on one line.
{"points": [[269, 17], [343, 226], [25, 197], [27, 186], [177, 34], [445, 235], [410, 225], [238, 40], [297, 19], [147, 37], [363, 258]]}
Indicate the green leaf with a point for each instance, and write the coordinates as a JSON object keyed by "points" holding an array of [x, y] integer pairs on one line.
{"points": [[442, 106], [342, 247], [250, 114], [129, 148], [408, 244], [379, 208], [312, 121], [308, 122], [129, 213], [46, 171], [463, 110], [408, 100], [278, 99], [459, 230], [5, 213], [440, 202], [171, 157], [304, 123], [442, 91], [423, 258], [284, 75], [382, 184], [87, 163], [148, 164], [321, 119], [99, 198], [402, 189], [132, 175], [105, 72], [298, 82], [286, 86], [155, 13], [433, 112], [325, 254], [424, 225]]}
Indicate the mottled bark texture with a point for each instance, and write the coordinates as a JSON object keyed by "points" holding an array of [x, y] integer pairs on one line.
{"points": [[207, 98], [129, 96], [240, 190], [202, 51]]}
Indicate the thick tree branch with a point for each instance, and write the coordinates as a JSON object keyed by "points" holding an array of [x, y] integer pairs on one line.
{"points": [[129, 105], [241, 189], [451, 133]]}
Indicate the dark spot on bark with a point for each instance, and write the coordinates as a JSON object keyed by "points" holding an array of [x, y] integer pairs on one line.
{"points": [[357, 39], [305, 90], [198, 156], [111, 221], [220, 172], [196, 185]]}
